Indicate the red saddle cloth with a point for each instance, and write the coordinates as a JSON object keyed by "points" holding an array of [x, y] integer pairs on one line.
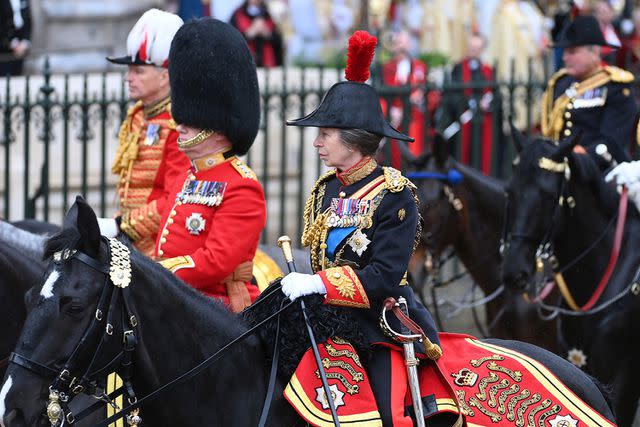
{"points": [[490, 385]]}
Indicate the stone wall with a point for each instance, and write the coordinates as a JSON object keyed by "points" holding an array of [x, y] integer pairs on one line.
{"points": [[77, 35]]}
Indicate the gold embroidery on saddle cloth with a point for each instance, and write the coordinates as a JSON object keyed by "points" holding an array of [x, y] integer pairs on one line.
{"points": [[522, 407], [351, 388], [476, 363], [337, 353], [476, 403], [515, 375], [355, 376], [493, 392]]}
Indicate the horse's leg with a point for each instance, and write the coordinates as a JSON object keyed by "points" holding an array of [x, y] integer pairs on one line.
{"points": [[584, 386]]}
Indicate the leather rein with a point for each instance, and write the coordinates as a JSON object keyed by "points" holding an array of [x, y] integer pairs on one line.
{"points": [[545, 249], [65, 385]]}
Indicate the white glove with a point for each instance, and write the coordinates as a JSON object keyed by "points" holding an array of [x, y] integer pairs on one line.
{"points": [[295, 285], [634, 193], [108, 227], [625, 173]]}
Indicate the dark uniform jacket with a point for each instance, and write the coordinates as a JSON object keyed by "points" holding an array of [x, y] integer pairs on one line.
{"points": [[602, 106], [361, 227], [8, 29]]}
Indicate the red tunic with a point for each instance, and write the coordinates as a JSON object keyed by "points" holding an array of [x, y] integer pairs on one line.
{"points": [[148, 162], [417, 78], [204, 242]]}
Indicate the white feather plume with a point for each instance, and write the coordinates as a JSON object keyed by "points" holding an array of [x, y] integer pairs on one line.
{"points": [[157, 28]]}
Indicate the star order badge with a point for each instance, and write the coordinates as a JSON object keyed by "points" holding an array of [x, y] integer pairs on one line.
{"points": [[336, 394], [563, 421], [195, 224], [577, 357], [359, 242]]}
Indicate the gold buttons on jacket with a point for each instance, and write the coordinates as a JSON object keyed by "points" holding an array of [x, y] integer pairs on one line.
{"points": [[569, 124], [567, 132], [567, 115], [160, 252]]}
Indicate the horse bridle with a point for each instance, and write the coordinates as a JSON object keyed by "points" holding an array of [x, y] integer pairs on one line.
{"points": [[66, 384]]}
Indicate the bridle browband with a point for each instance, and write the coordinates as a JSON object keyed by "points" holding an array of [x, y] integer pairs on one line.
{"points": [[545, 251], [71, 380], [65, 386]]}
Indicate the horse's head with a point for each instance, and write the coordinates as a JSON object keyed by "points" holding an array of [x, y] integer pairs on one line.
{"points": [[538, 198], [439, 206], [63, 345]]}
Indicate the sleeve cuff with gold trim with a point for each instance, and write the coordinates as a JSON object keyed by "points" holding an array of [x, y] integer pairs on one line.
{"points": [[141, 222], [344, 287], [178, 263]]}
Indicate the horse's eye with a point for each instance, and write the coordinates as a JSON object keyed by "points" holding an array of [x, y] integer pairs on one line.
{"points": [[70, 306]]}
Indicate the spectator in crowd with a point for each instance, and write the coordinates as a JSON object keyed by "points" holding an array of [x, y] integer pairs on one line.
{"points": [[404, 70], [605, 14], [629, 52], [253, 20], [15, 35], [469, 112]]}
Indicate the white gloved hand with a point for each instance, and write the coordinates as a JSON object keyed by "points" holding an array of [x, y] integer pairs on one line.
{"points": [[108, 227], [295, 285], [625, 173], [634, 193]]}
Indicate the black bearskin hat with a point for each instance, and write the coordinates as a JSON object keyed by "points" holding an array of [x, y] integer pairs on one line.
{"points": [[214, 84], [353, 104]]}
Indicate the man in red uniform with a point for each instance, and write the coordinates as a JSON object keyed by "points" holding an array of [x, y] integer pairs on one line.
{"points": [[253, 20], [400, 71], [147, 161], [210, 233], [472, 108]]}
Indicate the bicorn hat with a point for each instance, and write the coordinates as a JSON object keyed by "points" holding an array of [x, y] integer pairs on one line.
{"points": [[353, 104], [214, 83], [583, 30], [150, 38]]}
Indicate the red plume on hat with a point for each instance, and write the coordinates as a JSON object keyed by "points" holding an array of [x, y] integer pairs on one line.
{"points": [[362, 46]]}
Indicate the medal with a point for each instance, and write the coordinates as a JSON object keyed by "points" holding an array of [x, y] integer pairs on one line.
{"points": [[153, 134], [195, 224]]}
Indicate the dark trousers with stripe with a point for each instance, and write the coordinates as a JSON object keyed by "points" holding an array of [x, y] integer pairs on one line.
{"points": [[388, 376]]}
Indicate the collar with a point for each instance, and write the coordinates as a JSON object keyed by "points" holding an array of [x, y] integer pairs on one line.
{"points": [[210, 160], [156, 108], [360, 170]]}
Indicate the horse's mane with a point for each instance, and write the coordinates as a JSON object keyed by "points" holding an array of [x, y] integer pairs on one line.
{"points": [[327, 321], [67, 238], [488, 189]]}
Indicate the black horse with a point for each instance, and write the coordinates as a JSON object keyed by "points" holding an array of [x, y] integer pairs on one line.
{"points": [[468, 216], [176, 329], [22, 266], [559, 204]]}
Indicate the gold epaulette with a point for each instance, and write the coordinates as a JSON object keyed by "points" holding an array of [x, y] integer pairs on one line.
{"points": [[243, 169], [171, 123], [619, 75], [133, 109], [394, 181]]}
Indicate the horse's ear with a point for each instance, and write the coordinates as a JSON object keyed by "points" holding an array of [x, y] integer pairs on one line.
{"points": [[565, 147], [82, 218], [517, 137], [440, 149]]}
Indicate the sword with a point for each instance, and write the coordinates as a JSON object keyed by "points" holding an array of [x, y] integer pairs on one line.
{"points": [[412, 369], [407, 338], [285, 244]]}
